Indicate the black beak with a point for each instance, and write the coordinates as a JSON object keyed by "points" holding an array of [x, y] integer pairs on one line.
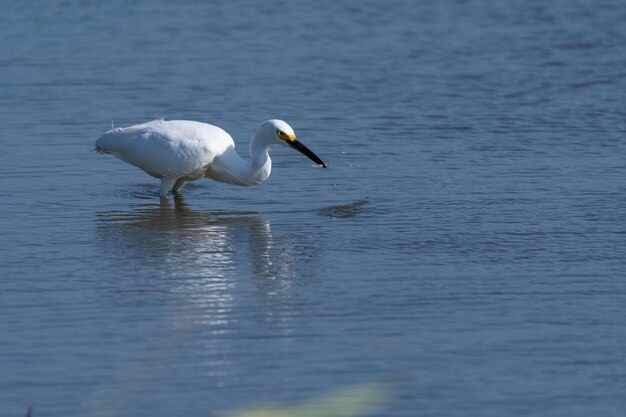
{"points": [[297, 145]]}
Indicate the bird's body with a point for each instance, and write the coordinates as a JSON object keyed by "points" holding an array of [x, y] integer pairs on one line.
{"points": [[178, 151]]}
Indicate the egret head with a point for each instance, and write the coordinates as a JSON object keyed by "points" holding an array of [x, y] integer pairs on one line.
{"points": [[282, 133]]}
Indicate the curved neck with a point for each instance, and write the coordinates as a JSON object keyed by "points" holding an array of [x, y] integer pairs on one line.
{"points": [[231, 168], [259, 154]]}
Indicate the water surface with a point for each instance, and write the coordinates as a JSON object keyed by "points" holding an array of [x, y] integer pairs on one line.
{"points": [[466, 243]]}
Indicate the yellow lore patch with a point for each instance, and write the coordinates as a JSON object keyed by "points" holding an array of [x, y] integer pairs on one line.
{"points": [[285, 136]]}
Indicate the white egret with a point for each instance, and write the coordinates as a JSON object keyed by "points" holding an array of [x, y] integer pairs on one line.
{"points": [[178, 151]]}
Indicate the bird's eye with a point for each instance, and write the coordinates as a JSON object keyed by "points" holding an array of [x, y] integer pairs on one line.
{"points": [[281, 133]]}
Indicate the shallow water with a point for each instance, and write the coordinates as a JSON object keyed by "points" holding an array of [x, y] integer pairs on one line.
{"points": [[466, 244]]}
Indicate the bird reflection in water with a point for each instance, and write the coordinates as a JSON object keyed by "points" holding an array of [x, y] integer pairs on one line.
{"points": [[197, 260], [203, 255], [179, 242]]}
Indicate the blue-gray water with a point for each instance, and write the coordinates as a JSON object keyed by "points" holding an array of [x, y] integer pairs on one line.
{"points": [[467, 243]]}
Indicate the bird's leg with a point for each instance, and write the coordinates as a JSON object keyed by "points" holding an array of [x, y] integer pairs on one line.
{"points": [[180, 183], [166, 186]]}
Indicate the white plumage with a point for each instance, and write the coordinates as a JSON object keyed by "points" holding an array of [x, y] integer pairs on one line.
{"points": [[178, 151]]}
